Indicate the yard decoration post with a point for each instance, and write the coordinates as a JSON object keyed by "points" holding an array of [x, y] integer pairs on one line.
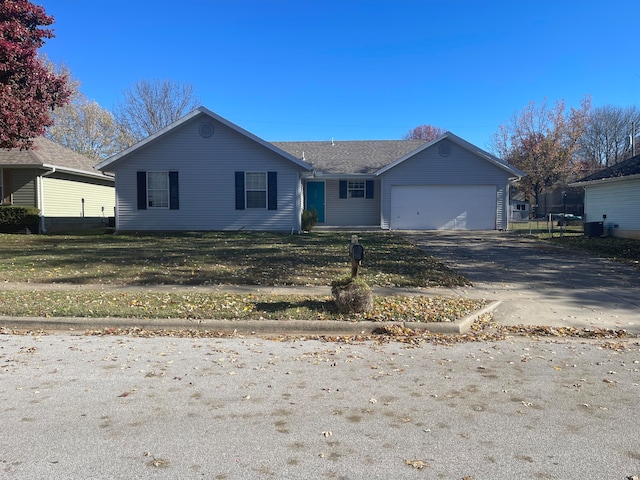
{"points": [[352, 294], [356, 253]]}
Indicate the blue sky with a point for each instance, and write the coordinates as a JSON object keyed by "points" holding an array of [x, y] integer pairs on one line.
{"points": [[355, 70]]}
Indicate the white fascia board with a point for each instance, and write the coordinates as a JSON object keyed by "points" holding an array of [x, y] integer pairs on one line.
{"points": [[75, 171], [345, 176], [602, 181]]}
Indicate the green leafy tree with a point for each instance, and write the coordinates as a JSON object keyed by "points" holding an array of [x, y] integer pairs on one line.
{"points": [[29, 91], [542, 141]]}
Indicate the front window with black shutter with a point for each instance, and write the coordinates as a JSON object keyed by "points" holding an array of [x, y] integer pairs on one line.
{"points": [[356, 189], [158, 190], [256, 190]]}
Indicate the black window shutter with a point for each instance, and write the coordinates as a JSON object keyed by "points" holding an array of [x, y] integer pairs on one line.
{"points": [[142, 190], [239, 190], [343, 189], [369, 189], [272, 190], [174, 197]]}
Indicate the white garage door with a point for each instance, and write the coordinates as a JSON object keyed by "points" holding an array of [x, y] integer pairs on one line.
{"points": [[443, 207]]}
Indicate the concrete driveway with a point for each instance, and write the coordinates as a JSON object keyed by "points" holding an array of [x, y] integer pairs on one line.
{"points": [[539, 283]]}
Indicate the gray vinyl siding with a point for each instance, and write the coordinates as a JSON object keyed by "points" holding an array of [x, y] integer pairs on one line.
{"points": [[206, 176], [462, 167], [619, 201], [24, 187], [351, 212]]}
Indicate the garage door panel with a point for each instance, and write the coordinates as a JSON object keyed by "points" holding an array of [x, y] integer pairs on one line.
{"points": [[422, 207]]}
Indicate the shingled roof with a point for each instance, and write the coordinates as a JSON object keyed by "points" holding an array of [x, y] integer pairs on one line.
{"points": [[46, 154], [348, 157], [626, 168]]}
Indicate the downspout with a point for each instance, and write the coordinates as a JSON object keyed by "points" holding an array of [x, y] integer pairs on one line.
{"points": [[511, 181], [41, 197]]}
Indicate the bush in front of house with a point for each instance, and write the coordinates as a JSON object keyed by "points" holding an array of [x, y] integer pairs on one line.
{"points": [[19, 219], [309, 219], [352, 295]]}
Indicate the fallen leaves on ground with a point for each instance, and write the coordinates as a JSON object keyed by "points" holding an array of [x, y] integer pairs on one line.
{"points": [[417, 464], [216, 258], [226, 306]]}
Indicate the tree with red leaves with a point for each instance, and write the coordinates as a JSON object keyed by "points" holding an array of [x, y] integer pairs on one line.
{"points": [[424, 132], [29, 91]]}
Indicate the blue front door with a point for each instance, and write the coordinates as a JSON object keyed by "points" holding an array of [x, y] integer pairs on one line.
{"points": [[315, 199]]}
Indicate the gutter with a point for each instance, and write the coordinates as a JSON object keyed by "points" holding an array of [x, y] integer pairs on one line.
{"points": [[41, 196], [76, 171], [605, 180]]}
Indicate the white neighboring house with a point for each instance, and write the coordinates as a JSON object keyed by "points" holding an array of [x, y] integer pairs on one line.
{"points": [[612, 196], [64, 185]]}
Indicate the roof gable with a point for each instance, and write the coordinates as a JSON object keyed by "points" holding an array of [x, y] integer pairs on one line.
{"points": [[626, 168], [200, 111], [350, 157], [48, 154], [462, 143]]}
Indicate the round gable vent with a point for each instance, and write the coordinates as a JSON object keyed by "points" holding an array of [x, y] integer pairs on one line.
{"points": [[206, 129], [444, 149]]}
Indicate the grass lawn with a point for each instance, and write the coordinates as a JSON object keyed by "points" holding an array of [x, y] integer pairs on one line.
{"points": [[224, 306], [619, 249], [217, 258], [244, 258]]}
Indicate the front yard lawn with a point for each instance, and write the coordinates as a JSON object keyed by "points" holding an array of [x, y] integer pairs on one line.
{"points": [[619, 249], [225, 306], [212, 258]]}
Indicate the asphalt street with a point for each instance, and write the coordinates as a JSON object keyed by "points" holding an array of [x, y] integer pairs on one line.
{"points": [[109, 407], [86, 407]]}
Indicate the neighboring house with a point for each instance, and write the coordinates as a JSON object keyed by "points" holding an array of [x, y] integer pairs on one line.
{"points": [[69, 192], [519, 207], [205, 173], [612, 196]]}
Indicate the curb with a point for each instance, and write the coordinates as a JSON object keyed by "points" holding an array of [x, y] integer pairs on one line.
{"points": [[253, 327]]}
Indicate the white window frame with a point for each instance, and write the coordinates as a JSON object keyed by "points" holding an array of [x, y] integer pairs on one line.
{"points": [[354, 187], [161, 202], [256, 188]]}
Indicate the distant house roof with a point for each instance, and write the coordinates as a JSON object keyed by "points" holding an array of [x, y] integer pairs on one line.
{"points": [[350, 157], [626, 168], [47, 154]]}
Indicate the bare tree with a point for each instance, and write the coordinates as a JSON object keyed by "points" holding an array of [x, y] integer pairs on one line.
{"points": [[150, 106], [85, 127], [424, 132], [605, 141], [542, 141]]}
